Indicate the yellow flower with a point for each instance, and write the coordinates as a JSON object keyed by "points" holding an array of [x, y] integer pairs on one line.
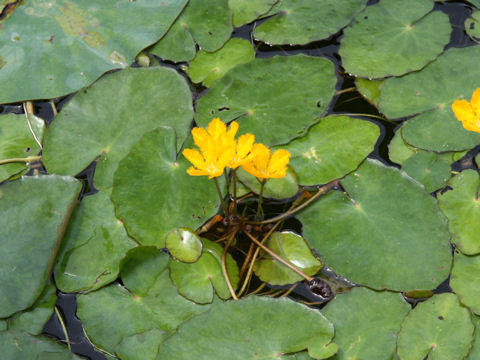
{"points": [[217, 147], [263, 166], [243, 146], [468, 112]]}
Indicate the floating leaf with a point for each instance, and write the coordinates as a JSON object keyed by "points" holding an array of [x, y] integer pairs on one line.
{"points": [[19, 345], [464, 280], [281, 188], [472, 25], [146, 311], [297, 21], [398, 149], [39, 37], [184, 244], [462, 208], [33, 319], [109, 117], [16, 141], [153, 193], [245, 11], [369, 89], [292, 248], [385, 231], [394, 38], [366, 323], [208, 67], [263, 95], [332, 148], [92, 247], [31, 234], [177, 45], [430, 94], [428, 169], [475, 350], [199, 281], [254, 327], [427, 330]]}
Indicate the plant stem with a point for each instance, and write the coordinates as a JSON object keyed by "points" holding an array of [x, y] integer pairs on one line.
{"points": [[227, 180], [30, 124], [64, 328], [322, 190], [28, 159], [224, 267], [260, 198], [278, 258], [247, 260], [221, 197], [234, 177]]}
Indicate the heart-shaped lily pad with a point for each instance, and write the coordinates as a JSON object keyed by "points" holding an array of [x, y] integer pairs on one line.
{"points": [[369, 89], [145, 311], [366, 323], [462, 208], [430, 94], [112, 115], [254, 327], [208, 67], [200, 280], [281, 188], [292, 248], [464, 280], [39, 36], [297, 21], [475, 350], [184, 245], [472, 25], [394, 38], [31, 234], [263, 95], [19, 345], [439, 328], [208, 23], [153, 194], [332, 148], [245, 11], [17, 141], [93, 245], [385, 231]]}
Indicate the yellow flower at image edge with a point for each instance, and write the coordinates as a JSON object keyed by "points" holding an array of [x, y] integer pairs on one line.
{"points": [[264, 165], [468, 112], [217, 147]]}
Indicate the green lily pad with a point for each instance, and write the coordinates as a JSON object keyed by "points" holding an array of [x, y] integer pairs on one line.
{"points": [[184, 244], [384, 232], [369, 89], [208, 67], [399, 150], [472, 25], [254, 327], [281, 188], [145, 311], [177, 45], [245, 11], [263, 95], [153, 193], [19, 345], [16, 141], [394, 38], [93, 245], [31, 234], [430, 94], [200, 280], [33, 319], [475, 350], [38, 37], [464, 280], [109, 117], [332, 148], [292, 248], [297, 21], [427, 330], [462, 208], [366, 323], [428, 169], [208, 23]]}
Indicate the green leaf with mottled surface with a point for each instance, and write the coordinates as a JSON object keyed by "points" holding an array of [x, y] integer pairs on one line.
{"points": [[464, 280], [428, 168], [245, 11]]}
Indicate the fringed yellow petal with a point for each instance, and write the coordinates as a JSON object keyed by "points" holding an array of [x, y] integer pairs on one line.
{"points": [[200, 137], [463, 110], [194, 157], [243, 147], [217, 129], [196, 172], [472, 125], [475, 102], [277, 167], [232, 130]]}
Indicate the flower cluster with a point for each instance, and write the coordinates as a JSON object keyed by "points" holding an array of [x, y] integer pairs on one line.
{"points": [[468, 112], [219, 149]]}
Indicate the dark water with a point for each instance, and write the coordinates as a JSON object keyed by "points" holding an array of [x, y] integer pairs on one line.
{"points": [[347, 100]]}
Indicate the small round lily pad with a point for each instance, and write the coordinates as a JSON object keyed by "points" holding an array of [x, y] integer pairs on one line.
{"points": [[184, 244]]}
